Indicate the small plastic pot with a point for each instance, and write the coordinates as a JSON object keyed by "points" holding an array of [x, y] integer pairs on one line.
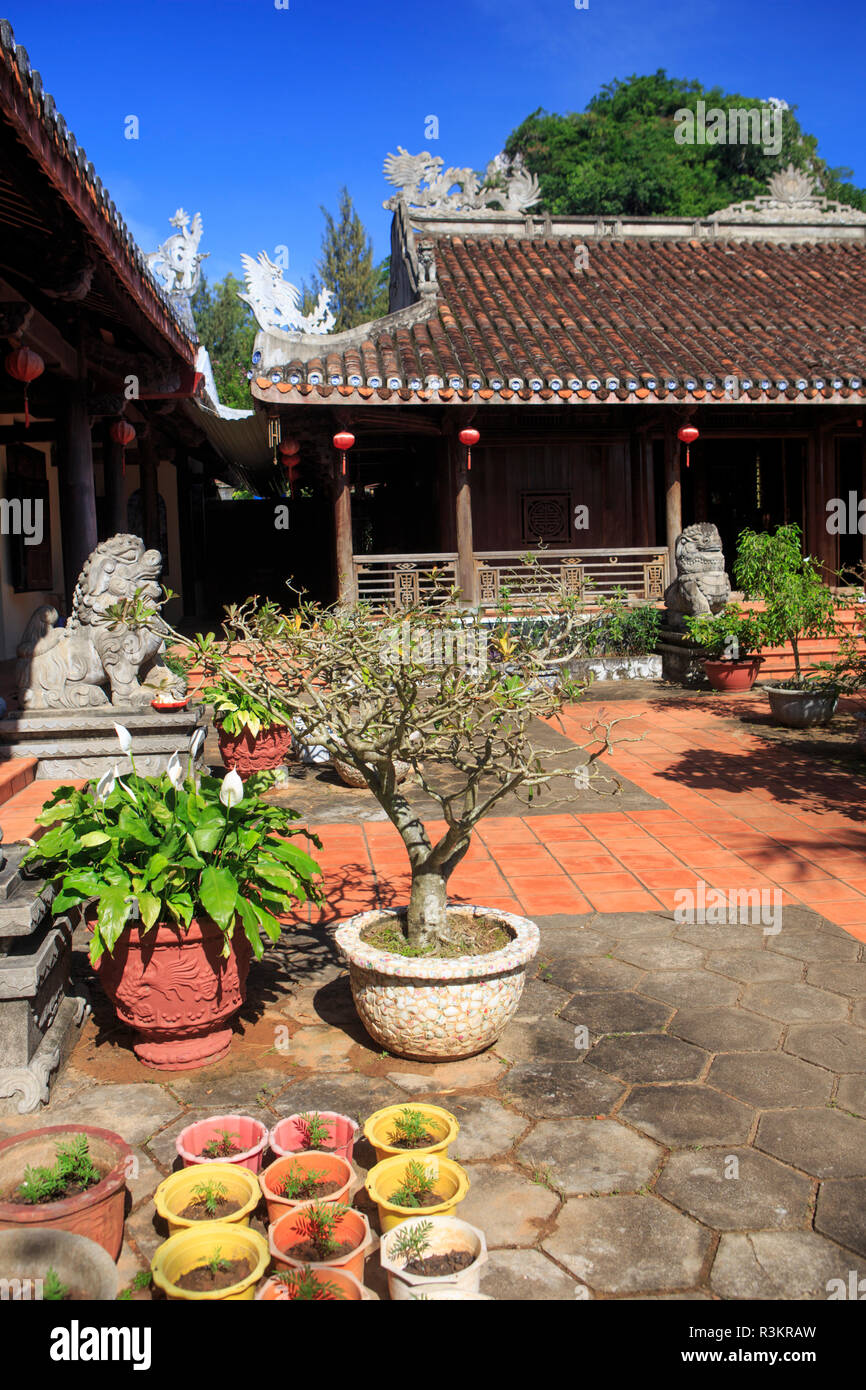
{"points": [[176, 1192], [380, 1126], [287, 1230], [449, 1233], [448, 1178], [335, 1170], [186, 1249], [288, 1135], [275, 1291], [253, 1136]]}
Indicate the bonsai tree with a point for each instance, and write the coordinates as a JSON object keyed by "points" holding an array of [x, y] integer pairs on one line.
{"points": [[798, 603], [414, 685]]}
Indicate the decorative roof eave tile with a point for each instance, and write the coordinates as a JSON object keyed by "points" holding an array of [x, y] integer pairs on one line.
{"points": [[284, 394], [44, 134]]}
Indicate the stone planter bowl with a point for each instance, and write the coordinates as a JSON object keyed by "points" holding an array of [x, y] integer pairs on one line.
{"points": [[801, 709], [434, 1009], [351, 777], [85, 1267]]}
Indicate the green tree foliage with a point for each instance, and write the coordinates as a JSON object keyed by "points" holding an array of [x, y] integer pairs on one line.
{"points": [[346, 267], [227, 328], [620, 155]]}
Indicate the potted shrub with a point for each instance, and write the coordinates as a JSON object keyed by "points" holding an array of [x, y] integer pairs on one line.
{"points": [[317, 1129], [236, 1139], [431, 980], [67, 1179], [252, 736], [180, 879], [798, 604], [322, 1235], [732, 640], [401, 1186], [420, 1128], [427, 1252], [57, 1266], [211, 1262], [207, 1192], [619, 641]]}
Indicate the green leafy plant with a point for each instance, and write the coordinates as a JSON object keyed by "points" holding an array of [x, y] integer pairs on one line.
{"points": [[317, 1223], [222, 1146], [622, 628], [733, 634], [315, 1130], [798, 604], [141, 1280], [297, 1182], [153, 849], [412, 1242], [410, 1127], [209, 1194], [235, 711], [303, 1286], [52, 1289], [417, 1182], [216, 1264], [74, 1167]]}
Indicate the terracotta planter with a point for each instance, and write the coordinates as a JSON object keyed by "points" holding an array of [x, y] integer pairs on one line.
{"points": [[178, 991], [434, 1009], [733, 675], [97, 1213], [83, 1266], [352, 1225], [335, 1170], [801, 709], [247, 754], [252, 1137], [288, 1135], [275, 1291]]}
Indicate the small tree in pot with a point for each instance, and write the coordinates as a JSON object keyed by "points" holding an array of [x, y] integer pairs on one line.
{"points": [[414, 685], [732, 640]]}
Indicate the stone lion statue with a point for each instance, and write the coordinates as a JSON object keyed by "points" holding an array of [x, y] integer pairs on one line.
{"points": [[702, 584], [94, 660]]}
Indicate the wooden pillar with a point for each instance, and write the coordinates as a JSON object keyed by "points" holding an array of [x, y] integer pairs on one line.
{"points": [[347, 589], [186, 541], [673, 493], [115, 485], [467, 574], [77, 491], [148, 476], [820, 487]]}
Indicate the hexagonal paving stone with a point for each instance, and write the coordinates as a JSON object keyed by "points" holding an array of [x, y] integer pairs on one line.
{"points": [[626, 926], [616, 1011], [770, 1080], [353, 1095], [569, 945], [733, 1188], [527, 1275], [852, 1093], [551, 1039], [551, 1089], [841, 1047], [840, 977], [841, 1213], [594, 972], [134, 1111], [626, 1244], [687, 989], [487, 1129], [858, 1015], [234, 1092], [777, 1265], [539, 1001], [483, 1070], [585, 1156], [660, 955], [826, 1143], [649, 1057], [726, 1030], [509, 1207], [794, 1003], [752, 966], [684, 1115], [724, 936], [814, 946]]}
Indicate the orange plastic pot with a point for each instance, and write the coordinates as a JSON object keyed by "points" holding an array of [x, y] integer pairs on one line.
{"points": [[275, 1291], [97, 1213], [332, 1168], [288, 1230]]}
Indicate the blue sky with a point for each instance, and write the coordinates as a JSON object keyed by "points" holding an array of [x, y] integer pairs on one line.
{"points": [[255, 115]]}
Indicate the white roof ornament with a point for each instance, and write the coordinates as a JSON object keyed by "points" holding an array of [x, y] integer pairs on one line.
{"points": [[792, 197], [423, 183], [177, 263], [276, 303]]}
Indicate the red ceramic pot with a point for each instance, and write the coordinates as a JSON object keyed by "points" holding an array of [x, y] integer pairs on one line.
{"points": [[733, 675], [97, 1213], [246, 754], [178, 991]]}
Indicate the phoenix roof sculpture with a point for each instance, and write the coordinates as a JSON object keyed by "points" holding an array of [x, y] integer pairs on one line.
{"points": [[276, 302]]}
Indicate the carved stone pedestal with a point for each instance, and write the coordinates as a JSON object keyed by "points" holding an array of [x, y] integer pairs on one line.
{"points": [[682, 658], [71, 743], [39, 1015]]}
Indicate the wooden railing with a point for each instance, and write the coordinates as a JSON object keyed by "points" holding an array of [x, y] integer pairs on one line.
{"points": [[400, 580]]}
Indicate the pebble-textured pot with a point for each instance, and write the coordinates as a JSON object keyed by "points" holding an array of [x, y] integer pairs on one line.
{"points": [[82, 1265], [800, 709], [178, 991], [246, 754], [252, 1136], [426, 1007], [97, 1213]]}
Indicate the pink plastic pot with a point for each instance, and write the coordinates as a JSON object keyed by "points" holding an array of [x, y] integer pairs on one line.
{"points": [[288, 1136], [253, 1138], [352, 1225], [335, 1170]]}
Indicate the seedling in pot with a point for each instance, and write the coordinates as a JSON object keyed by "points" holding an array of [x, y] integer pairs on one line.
{"points": [[216, 1264], [410, 1130], [317, 1226], [73, 1169], [52, 1288], [222, 1147], [300, 1183], [315, 1131], [413, 1242], [304, 1287], [209, 1195], [416, 1185]]}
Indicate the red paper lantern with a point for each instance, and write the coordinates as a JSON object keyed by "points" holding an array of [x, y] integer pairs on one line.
{"points": [[343, 441], [290, 450], [290, 446], [469, 437], [688, 434], [123, 433], [25, 365]]}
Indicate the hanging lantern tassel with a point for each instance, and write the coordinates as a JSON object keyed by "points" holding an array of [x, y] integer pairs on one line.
{"points": [[123, 433], [25, 365], [289, 451], [343, 441], [469, 437], [688, 434]]}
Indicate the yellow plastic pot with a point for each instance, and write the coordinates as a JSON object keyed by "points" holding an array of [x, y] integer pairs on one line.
{"points": [[183, 1251], [383, 1180], [176, 1192], [380, 1126]]}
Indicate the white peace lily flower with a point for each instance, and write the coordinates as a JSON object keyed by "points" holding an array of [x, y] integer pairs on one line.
{"points": [[195, 743], [175, 771], [129, 792], [124, 738], [105, 785], [232, 790]]}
